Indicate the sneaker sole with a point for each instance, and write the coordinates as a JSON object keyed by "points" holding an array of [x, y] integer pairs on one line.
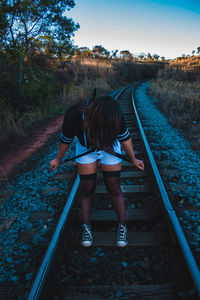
{"points": [[122, 245], [87, 244]]}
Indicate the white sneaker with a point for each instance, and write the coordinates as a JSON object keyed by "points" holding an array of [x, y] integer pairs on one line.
{"points": [[86, 236], [122, 236]]}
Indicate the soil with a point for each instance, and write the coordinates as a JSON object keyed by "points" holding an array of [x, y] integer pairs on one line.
{"points": [[15, 151]]}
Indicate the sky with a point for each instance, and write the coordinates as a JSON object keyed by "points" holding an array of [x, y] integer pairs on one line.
{"points": [[168, 28]]}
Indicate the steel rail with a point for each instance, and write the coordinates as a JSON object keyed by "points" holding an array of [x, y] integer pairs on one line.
{"points": [[125, 88], [185, 248], [51, 250]]}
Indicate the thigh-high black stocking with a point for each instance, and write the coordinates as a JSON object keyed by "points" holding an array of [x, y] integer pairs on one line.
{"points": [[87, 189], [112, 181]]}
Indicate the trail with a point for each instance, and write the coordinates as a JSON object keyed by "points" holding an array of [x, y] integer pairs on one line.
{"points": [[16, 153]]}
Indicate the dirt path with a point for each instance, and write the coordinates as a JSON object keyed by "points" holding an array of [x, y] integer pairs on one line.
{"points": [[16, 152]]}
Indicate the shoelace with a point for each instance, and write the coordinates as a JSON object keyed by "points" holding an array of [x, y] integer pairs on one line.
{"points": [[87, 233], [122, 232]]}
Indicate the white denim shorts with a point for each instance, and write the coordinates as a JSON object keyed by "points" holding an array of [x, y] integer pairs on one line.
{"points": [[104, 157]]}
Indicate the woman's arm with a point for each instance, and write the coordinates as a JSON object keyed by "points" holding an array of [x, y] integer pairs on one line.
{"points": [[55, 162], [128, 147]]}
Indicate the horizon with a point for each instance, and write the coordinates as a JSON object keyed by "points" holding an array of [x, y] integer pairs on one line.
{"points": [[163, 27]]}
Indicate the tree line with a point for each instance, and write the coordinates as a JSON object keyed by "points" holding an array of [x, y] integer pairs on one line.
{"points": [[99, 51]]}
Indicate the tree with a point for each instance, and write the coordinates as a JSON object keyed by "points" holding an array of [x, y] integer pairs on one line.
{"points": [[126, 54], [149, 57], [193, 52], [83, 52], [156, 56], [100, 51], [198, 50], [27, 22], [114, 53]]}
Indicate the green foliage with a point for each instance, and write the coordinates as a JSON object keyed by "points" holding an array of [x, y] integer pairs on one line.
{"points": [[32, 34], [25, 23], [37, 88], [149, 56], [83, 52], [126, 54], [100, 51], [156, 56], [33, 86]]}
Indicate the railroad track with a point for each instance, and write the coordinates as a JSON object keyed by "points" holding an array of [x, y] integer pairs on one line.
{"points": [[157, 263]]}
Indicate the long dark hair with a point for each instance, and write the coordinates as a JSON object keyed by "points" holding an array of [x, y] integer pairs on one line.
{"points": [[102, 123]]}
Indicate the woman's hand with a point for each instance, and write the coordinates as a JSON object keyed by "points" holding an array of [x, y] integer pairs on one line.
{"points": [[54, 164], [128, 147], [138, 163]]}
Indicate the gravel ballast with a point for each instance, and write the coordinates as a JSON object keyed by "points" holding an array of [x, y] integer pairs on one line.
{"points": [[167, 143], [31, 205]]}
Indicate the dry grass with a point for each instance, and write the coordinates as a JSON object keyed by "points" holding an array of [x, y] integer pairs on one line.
{"points": [[76, 80], [180, 102], [184, 69], [87, 75], [13, 125], [83, 91], [186, 64], [180, 96]]}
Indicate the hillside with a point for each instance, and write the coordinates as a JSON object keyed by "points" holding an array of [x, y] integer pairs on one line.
{"points": [[177, 89]]}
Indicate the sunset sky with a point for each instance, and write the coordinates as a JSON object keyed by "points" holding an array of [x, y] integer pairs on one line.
{"points": [[168, 28]]}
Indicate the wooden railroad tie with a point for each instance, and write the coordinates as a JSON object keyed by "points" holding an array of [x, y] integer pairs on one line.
{"points": [[131, 214], [101, 189], [135, 239], [150, 291]]}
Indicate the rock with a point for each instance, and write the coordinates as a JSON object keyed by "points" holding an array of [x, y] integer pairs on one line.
{"points": [[181, 187], [26, 247], [124, 264], [36, 238], [98, 250], [118, 294], [14, 278], [198, 229], [51, 209], [93, 260], [9, 260], [29, 276], [28, 226], [143, 265]]}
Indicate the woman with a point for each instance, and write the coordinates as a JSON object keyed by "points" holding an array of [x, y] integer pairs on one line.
{"points": [[99, 126]]}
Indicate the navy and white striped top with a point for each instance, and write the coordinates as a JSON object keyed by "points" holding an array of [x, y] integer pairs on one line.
{"points": [[73, 126]]}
